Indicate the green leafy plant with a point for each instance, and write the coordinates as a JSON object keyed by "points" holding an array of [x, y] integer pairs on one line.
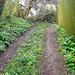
{"points": [[67, 48], [27, 59], [10, 29]]}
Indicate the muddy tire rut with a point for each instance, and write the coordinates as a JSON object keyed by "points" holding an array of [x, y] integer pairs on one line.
{"points": [[53, 63]]}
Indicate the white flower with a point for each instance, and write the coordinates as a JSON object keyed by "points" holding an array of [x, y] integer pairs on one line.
{"points": [[69, 55]]}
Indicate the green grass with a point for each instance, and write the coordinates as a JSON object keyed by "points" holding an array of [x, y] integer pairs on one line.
{"points": [[67, 48], [10, 30], [27, 59]]}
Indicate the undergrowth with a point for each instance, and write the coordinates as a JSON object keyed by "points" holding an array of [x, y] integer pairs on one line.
{"points": [[10, 30], [67, 48], [27, 60]]}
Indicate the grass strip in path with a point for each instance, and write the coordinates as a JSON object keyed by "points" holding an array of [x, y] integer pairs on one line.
{"points": [[29, 53]]}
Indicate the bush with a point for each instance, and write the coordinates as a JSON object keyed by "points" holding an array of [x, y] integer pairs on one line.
{"points": [[1, 6], [48, 15], [10, 29]]}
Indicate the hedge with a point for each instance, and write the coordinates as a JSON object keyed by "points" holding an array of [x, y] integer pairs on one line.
{"points": [[66, 15]]}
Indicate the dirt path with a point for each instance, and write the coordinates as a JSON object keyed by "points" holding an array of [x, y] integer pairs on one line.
{"points": [[5, 57], [52, 63]]}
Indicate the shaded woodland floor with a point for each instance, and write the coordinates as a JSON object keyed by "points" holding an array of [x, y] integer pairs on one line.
{"points": [[8, 55], [51, 65]]}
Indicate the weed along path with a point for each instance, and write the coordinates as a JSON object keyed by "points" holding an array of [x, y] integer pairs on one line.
{"points": [[6, 56], [52, 63]]}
